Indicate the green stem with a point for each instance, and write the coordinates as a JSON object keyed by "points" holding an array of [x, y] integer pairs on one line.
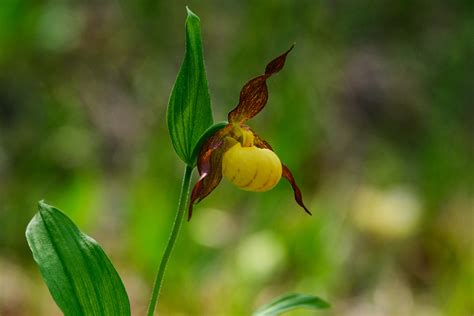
{"points": [[172, 239]]}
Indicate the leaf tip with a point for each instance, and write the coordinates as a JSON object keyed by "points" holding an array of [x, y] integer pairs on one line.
{"points": [[190, 13], [43, 206]]}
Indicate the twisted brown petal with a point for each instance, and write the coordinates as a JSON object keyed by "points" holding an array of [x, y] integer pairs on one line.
{"points": [[209, 166], [286, 173], [254, 94], [298, 198]]}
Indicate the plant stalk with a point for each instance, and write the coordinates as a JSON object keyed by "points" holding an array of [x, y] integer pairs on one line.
{"points": [[183, 197]]}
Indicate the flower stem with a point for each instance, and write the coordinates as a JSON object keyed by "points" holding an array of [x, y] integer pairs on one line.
{"points": [[183, 197]]}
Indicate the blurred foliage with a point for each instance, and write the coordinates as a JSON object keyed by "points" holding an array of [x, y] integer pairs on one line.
{"points": [[373, 113]]}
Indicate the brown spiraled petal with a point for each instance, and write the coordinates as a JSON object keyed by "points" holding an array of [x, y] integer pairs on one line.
{"points": [[286, 173], [254, 94], [298, 198], [195, 194], [209, 166], [253, 97], [277, 64]]}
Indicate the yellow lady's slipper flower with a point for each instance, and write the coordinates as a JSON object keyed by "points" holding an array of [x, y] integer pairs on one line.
{"points": [[240, 155], [249, 167]]}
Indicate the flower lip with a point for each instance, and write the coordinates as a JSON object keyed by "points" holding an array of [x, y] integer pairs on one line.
{"points": [[253, 97], [251, 168]]}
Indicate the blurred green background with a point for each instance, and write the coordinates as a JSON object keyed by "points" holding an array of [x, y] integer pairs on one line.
{"points": [[373, 113]]}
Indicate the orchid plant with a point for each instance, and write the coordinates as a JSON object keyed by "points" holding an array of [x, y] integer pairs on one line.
{"points": [[81, 278]]}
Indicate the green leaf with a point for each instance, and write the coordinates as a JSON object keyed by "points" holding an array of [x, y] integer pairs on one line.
{"points": [[289, 302], [76, 270], [189, 108], [207, 133]]}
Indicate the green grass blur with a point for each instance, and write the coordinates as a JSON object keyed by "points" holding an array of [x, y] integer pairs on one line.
{"points": [[373, 113]]}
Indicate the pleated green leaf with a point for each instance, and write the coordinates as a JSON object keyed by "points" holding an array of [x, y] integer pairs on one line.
{"points": [[189, 109], [80, 277], [289, 302]]}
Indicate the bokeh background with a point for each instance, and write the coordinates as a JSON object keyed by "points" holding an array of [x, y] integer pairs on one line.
{"points": [[373, 113]]}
